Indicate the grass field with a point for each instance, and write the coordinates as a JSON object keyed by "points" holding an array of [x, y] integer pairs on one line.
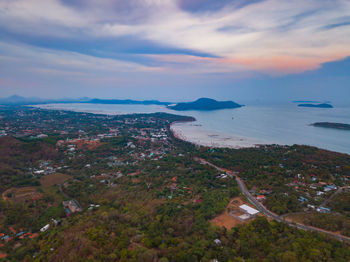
{"points": [[54, 179]]}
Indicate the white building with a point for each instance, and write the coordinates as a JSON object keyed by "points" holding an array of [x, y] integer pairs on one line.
{"points": [[251, 211], [45, 228]]}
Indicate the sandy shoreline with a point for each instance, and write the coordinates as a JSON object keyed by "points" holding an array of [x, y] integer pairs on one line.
{"points": [[193, 133]]}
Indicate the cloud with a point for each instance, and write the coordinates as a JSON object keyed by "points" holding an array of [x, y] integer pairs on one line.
{"points": [[271, 36], [22, 59]]}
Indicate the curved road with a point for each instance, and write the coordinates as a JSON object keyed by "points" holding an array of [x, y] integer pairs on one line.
{"points": [[267, 212]]}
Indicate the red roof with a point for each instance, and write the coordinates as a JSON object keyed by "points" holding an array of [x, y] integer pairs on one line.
{"points": [[34, 235], [12, 230]]}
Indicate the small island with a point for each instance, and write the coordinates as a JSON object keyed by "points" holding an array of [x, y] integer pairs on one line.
{"points": [[323, 105], [205, 104], [332, 125]]}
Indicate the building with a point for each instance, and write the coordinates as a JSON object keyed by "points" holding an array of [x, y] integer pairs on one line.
{"points": [[244, 217], [330, 188], [72, 205], [217, 241], [261, 198], [249, 210], [302, 199], [323, 210]]}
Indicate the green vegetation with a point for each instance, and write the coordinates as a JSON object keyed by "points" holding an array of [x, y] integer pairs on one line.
{"points": [[144, 197]]}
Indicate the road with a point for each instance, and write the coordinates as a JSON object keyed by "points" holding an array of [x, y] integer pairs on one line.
{"points": [[340, 189], [267, 212]]}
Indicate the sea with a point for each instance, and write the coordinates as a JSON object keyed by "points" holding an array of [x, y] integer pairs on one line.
{"points": [[251, 125]]}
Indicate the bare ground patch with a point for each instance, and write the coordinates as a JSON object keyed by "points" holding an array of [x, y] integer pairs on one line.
{"points": [[226, 219], [21, 194]]}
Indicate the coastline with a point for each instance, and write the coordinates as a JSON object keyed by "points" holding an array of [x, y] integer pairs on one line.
{"points": [[190, 132], [255, 126]]}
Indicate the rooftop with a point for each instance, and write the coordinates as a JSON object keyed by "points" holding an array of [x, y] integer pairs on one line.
{"points": [[249, 210]]}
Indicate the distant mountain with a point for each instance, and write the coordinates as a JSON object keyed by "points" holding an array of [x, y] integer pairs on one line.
{"points": [[324, 105], [332, 125], [19, 100], [16, 100], [125, 102], [204, 104]]}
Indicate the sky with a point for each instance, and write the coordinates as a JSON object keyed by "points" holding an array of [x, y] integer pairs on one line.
{"points": [[176, 50]]}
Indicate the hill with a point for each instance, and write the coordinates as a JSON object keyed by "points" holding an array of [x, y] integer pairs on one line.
{"points": [[205, 104]]}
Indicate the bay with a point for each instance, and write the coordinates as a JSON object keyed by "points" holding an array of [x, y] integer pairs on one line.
{"points": [[247, 126]]}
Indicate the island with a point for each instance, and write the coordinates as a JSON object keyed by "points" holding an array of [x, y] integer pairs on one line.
{"points": [[332, 125], [323, 105], [204, 104]]}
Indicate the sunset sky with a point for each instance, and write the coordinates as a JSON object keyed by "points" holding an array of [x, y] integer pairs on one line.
{"points": [[176, 50]]}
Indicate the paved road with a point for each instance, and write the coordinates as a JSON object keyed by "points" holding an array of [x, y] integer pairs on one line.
{"points": [[267, 212]]}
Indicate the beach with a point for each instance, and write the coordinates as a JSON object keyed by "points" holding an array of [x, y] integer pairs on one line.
{"points": [[194, 133]]}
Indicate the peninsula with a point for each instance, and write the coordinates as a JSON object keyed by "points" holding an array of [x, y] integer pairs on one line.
{"points": [[205, 104], [332, 125]]}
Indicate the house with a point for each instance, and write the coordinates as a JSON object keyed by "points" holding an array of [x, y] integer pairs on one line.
{"points": [[20, 234], [34, 235], [217, 241], [323, 210], [302, 199], [251, 211], [6, 238], [13, 230], [261, 198], [46, 227], [330, 188]]}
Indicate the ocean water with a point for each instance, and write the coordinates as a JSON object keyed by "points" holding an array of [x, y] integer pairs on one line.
{"points": [[252, 124]]}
